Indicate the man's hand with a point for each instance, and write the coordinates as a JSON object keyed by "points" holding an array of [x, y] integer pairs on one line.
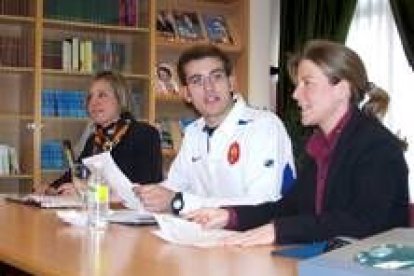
{"points": [[155, 198], [64, 189]]}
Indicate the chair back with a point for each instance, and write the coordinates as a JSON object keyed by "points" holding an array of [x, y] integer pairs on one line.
{"points": [[411, 214]]}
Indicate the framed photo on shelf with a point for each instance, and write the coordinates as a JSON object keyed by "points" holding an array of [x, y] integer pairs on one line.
{"points": [[217, 29], [165, 25], [166, 79], [188, 25]]}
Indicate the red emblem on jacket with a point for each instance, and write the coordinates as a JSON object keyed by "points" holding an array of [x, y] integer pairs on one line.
{"points": [[233, 154]]}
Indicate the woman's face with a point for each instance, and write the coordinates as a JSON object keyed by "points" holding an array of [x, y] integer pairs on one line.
{"points": [[103, 106], [321, 103], [163, 75]]}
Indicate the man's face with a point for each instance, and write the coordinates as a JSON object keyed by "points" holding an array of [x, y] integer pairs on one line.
{"points": [[209, 89]]}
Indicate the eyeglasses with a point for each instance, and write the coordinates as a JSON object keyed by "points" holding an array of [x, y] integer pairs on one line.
{"points": [[215, 77]]}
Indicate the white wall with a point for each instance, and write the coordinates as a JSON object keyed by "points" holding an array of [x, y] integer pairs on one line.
{"points": [[264, 49]]}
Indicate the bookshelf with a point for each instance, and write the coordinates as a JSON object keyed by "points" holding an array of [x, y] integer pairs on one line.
{"points": [[17, 74], [54, 46]]}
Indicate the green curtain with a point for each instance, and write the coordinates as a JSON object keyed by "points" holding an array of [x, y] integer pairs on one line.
{"points": [[403, 11], [301, 20]]}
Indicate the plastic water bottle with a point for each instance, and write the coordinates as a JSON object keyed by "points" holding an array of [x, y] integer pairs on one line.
{"points": [[98, 201]]}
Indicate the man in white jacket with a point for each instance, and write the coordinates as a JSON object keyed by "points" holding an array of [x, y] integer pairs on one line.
{"points": [[232, 155]]}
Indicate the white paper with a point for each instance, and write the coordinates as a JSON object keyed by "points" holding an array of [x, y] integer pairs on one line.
{"points": [[116, 179], [73, 217], [179, 231]]}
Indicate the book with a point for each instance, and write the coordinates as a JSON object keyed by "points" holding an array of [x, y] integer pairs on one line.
{"points": [[188, 25], [67, 54], [137, 102], [166, 79], [165, 25], [163, 127], [52, 54], [217, 29], [4, 160], [75, 54]]}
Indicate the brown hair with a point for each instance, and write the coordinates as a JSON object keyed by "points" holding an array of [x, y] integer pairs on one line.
{"points": [[377, 104], [199, 52], [120, 87], [339, 62]]}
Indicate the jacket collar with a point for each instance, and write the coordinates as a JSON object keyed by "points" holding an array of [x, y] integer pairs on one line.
{"points": [[233, 118]]}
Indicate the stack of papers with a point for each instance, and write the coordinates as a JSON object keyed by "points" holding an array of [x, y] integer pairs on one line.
{"points": [[183, 232]]}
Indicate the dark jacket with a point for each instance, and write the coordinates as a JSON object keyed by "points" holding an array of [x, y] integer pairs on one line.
{"points": [[138, 154], [366, 190]]}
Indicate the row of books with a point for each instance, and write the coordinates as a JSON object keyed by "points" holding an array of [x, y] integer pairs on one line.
{"points": [[15, 7], [52, 156], [8, 160], [184, 25], [15, 51], [172, 131], [64, 103], [111, 12], [74, 54]]}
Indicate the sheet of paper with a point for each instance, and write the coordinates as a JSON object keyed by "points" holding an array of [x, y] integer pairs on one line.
{"points": [[180, 231], [73, 217], [116, 179]]}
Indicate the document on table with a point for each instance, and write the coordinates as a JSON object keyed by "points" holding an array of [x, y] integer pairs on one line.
{"points": [[116, 179], [180, 231]]}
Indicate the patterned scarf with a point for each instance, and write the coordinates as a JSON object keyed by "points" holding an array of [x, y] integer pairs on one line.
{"points": [[106, 138]]}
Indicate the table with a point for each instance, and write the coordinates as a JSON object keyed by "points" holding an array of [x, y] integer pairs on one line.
{"points": [[36, 241]]}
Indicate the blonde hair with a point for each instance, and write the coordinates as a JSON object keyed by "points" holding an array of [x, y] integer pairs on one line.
{"points": [[119, 86], [377, 103]]}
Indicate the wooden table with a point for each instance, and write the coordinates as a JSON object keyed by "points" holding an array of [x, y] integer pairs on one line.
{"points": [[36, 241]]}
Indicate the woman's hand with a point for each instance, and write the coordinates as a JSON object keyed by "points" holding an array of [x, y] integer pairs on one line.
{"points": [[209, 217], [263, 235], [44, 190], [66, 189]]}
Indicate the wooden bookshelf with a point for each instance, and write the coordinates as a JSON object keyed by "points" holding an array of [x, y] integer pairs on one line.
{"points": [[31, 23]]}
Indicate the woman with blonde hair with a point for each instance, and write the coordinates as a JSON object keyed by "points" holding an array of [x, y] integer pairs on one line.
{"points": [[134, 146], [354, 180]]}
